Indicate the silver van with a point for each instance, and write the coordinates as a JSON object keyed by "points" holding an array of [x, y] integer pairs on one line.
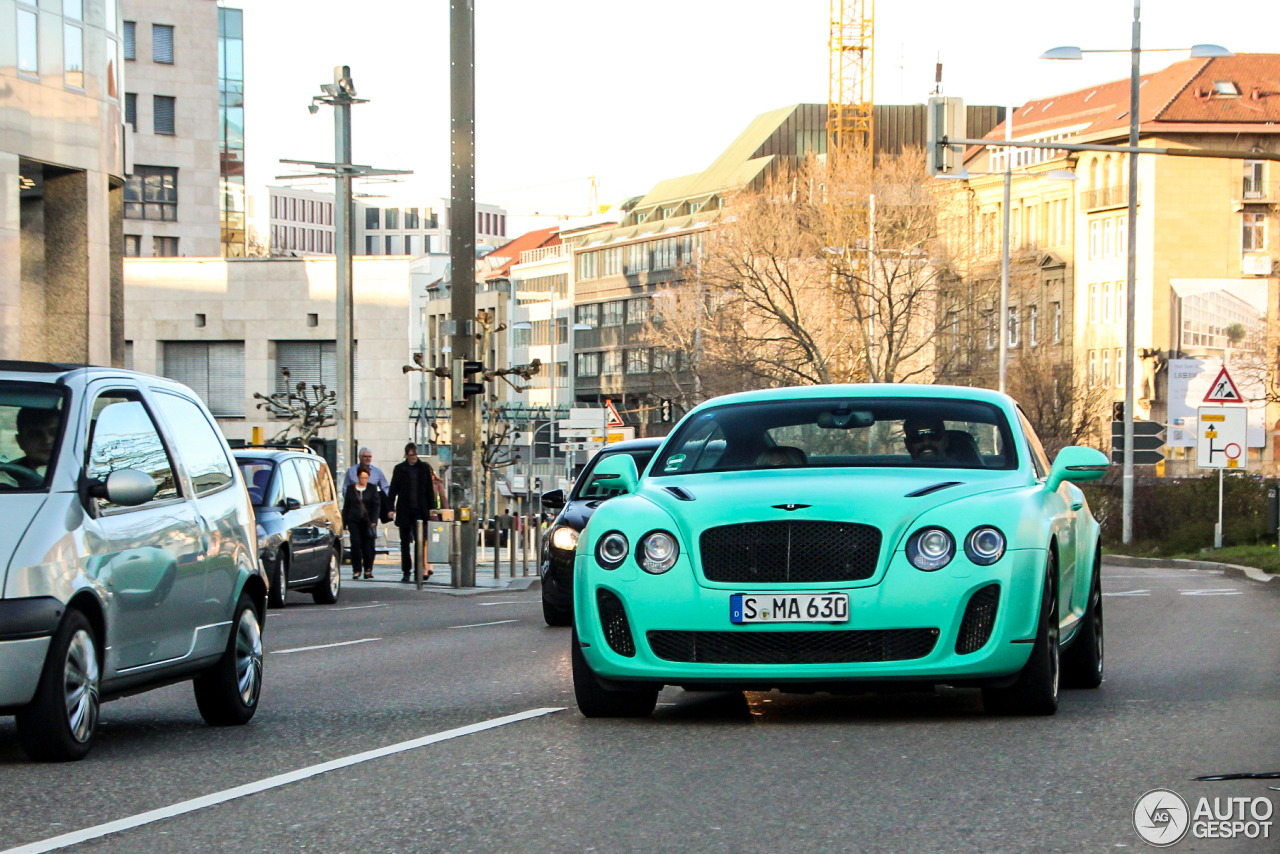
{"points": [[128, 553]]}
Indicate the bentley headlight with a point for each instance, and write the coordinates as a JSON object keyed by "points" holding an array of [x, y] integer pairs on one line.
{"points": [[612, 550], [985, 545], [930, 549], [657, 552], [564, 538]]}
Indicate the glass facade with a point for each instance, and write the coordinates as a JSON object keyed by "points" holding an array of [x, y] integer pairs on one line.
{"points": [[231, 121]]}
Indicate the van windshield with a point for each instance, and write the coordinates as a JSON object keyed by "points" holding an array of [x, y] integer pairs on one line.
{"points": [[32, 420], [841, 433]]}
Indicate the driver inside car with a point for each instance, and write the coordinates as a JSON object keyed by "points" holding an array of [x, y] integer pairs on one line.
{"points": [[925, 438], [37, 434]]}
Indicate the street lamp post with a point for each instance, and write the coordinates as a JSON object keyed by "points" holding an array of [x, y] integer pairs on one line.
{"points": [[1131, 261]]}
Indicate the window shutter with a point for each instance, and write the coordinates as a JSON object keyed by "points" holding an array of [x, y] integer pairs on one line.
{"points": [[163, 117], [314, 363], [226, 379], [162, 43], [131, 110], [130, 40], [187, 362]]}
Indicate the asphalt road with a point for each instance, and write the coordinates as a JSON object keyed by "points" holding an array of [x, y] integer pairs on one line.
{"points": [[1192, 688]]}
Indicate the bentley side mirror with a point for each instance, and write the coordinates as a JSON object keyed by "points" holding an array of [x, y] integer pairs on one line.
{"points": [[618, 473], [1078, 465]]}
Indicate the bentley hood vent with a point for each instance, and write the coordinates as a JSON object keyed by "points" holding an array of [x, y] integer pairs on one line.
{"points": [[929, 490]]}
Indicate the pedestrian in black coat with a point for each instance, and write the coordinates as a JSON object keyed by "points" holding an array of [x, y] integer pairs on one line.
{"points": [[361, 507], [413, 497]]}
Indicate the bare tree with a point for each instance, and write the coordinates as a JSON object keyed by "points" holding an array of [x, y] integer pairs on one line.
{"points": [[1064, 405], [307, 408]]}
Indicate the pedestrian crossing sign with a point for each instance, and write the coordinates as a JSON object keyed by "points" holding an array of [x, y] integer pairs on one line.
{"points": [[1223, 389]]}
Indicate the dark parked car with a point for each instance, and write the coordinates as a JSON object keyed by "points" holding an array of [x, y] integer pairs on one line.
{"points": [[556, 563], [299, 521]]}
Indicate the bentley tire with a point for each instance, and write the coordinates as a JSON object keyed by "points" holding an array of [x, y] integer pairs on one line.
{"points": [[60, 723], [1082, 664], [1035, 692], [227, 693], [596, 701]]}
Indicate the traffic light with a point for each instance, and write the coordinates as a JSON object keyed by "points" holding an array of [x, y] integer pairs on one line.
{"points": [[1117, 410], [462, 385], [946, 117]]}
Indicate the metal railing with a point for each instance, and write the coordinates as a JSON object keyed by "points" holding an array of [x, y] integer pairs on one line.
{"points": [[1105, 197]]}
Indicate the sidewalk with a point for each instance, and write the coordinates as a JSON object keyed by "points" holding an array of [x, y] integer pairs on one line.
{"points": [[386, 570]]}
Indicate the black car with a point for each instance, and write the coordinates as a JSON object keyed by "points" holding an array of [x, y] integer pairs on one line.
{"points": [[556, 560], [299, 521]]}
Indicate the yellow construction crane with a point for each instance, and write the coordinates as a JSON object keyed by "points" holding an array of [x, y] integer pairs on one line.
{"points": [[850, 102]]}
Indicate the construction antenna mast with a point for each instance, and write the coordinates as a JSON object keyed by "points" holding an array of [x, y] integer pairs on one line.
{"points": [[850, 94]]}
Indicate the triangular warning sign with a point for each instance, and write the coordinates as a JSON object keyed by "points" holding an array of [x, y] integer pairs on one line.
{"points": [[1223, 389], [615, 420]]}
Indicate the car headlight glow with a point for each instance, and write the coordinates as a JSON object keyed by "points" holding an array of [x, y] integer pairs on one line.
{"points": [[657, 552], [612, 550], [985, 545], [931, 548], [564, 538]]}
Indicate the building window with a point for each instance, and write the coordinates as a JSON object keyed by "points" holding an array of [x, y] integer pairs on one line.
{"points": [[1093, 303], [73, 9], [163, 118], [991, 320], [1093, 367], [1095, 239], [1254, 236], [502, 225], [212, 369], [313, 363], [371, 218], [1056, 309], [1253, 180], [1119, 368], [165, 247], [1120, 312], [1015, 322], [562, 374], [392, 218], [151, 192], [588, 315], [611, 363], [638, 311], [664, 361], [1033, 325], [73, 55], [162, 43], [1106, 302], [328, 242], [131, 110], [611, 262], [587, 265], [130, 40], [408, 244], [637, 361], [293, 237], [371, 244], [611, 313], [664, 254], [133, 245], [28, 42], [637, 258], [1122, 236], [1106, 367], [128, 356], [1108, 237]]}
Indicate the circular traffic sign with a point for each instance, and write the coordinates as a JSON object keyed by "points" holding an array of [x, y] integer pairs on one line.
{"points": [[1232, 455]]}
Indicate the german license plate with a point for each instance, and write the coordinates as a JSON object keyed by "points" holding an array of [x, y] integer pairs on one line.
{"points": [[789, 608]]}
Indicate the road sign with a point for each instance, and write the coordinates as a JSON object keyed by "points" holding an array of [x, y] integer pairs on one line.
{"points": [[1222, 434], [1140, 428], [1140, 458], [1223, 390], [615, 420], [1140, 443]]}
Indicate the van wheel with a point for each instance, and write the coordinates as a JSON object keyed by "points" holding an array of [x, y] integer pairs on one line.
{"points": [[61, 722], [596, 701], [227, 693], [278, 592], [326, 592], [1036, 690]]}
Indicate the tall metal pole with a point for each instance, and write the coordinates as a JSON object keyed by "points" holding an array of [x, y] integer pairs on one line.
{"points": [[344, 236], [1002, 322], [1131, 277], [462, 257]]}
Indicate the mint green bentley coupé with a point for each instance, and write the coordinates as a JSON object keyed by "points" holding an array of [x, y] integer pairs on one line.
{"points": [[843, 538]]}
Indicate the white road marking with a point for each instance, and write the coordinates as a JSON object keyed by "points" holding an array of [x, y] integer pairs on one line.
{"points": [[321, 646], [1128, 593], [296, 611], [1222, 591], [98, 831], [468, 626], [511, 602]]}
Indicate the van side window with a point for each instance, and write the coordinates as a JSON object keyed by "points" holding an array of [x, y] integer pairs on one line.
{"points": [[122, 435], [309, 475], [290, 487], [198, 443]]}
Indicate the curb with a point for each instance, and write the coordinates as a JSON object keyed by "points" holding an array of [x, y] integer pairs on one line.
{"points": [[518, 585], [1231, 570]]}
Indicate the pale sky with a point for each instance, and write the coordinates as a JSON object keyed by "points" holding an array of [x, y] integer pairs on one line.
{"points": [[635, 93]]}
